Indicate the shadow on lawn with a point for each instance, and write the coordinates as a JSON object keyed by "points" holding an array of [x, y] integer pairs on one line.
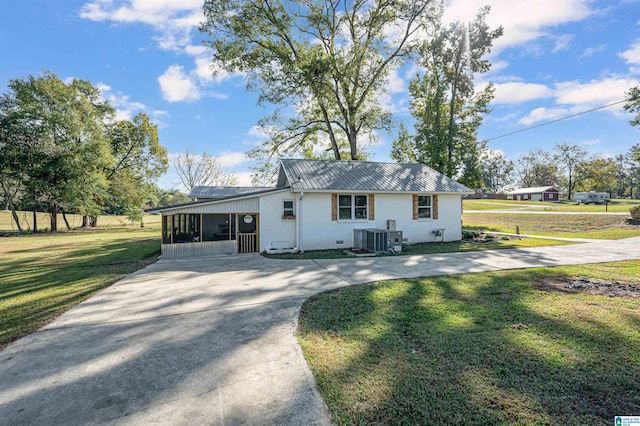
{"points": [[39, 289], [435, 351]]}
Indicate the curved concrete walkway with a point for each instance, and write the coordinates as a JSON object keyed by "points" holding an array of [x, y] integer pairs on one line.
{"points": [[211, 340]]}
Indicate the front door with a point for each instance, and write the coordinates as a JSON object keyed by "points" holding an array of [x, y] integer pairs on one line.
{"points": [[247, 233]]}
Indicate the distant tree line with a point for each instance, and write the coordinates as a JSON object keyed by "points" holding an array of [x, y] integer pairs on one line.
{"points": [[568, 167], [63, 151]]}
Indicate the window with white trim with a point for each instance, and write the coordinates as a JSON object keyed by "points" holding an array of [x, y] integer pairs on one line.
{"points": [[288, 211], [352, 207], [424, 207]]}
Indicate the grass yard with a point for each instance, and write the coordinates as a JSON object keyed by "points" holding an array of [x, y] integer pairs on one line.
{"points": [[616, 205], [75, 221], [572, 226], [43, 275], [492, 348], [428, 248]]}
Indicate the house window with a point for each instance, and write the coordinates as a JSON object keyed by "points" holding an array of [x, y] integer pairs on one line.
{"points": [[424, 206], [287, 210], [352, 207], [525, 197], [551, 196]]}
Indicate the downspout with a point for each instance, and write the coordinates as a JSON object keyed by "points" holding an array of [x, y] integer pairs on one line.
{"points": [[299, 227]]}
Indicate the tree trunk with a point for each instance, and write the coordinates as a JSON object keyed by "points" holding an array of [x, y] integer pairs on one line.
{"points": [[94, 221], [12, 206], [85, 221], [53, 209], [332, 136], [15, 215], [35, 220], [352, 136], [66, 222]]}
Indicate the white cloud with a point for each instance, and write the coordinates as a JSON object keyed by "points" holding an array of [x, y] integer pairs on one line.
{"points": [[593, 93], [244, 178], [498, 65], [543, 114], [159, 13], [632, 56], [591, 142], [173, 20], [523, 20], [176, 86], [125, 109], [195, 50], [562, 42], [590, 51], [518, 92], [260, 132], [395, 83], [231, 159]]}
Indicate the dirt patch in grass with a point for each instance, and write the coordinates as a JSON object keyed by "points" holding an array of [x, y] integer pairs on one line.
{"points": [[591, 286]]}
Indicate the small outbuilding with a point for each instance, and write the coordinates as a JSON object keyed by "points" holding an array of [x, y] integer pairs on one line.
{"points": [[317, 205], [537, 193]]}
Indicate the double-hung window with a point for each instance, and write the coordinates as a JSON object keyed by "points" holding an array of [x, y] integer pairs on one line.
{"points": [[288, 209], [424, 207], [352, 207]]}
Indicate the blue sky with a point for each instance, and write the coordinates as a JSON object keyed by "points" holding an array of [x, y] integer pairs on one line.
{"points": [[556, 58]]}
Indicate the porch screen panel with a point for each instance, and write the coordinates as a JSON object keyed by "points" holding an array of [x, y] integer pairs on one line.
{"points": [[218, 227], [186, 228], [166, 229]]}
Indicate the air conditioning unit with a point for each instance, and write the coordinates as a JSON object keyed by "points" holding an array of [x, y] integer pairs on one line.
{"points": [[395, 240], [377, 240]]}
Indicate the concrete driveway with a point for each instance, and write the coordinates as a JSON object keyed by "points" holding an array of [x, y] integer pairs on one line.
{"points": [[211, 340]]}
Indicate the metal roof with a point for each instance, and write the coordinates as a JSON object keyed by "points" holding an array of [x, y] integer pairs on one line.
{"points": [[534, 190], [331, 175], [218, 200], [223, 191]]}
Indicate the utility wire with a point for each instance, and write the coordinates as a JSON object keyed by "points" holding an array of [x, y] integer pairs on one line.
{"points": [[555, 121]]}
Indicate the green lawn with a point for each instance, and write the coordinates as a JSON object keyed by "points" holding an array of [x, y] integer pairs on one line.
{"points": [[43, 275], [491, 348], [7, 223], [572, 226], [616, 205], [429, 248]]}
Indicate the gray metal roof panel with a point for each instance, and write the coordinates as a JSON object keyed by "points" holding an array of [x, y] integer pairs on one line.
{"points": [[223, 191], [366, 176], [219, 200]]}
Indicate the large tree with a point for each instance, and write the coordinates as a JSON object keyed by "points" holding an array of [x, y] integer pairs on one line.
{"points": [[571, 157], [69, 150], [200, 170], [597, 174], [328, 59], [139, 160], [496, 170], [445, 104], [537, 168]]}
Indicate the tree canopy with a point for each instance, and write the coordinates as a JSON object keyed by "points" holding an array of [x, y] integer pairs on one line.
{"points": [[323, 62], [447, 109], [200, 170], [60, 147]]}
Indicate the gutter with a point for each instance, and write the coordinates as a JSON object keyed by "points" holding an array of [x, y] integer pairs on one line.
{"points": [[299, 227]]}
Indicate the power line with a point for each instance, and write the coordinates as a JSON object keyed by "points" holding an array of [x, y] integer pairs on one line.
{"points": [[555, 121]]}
